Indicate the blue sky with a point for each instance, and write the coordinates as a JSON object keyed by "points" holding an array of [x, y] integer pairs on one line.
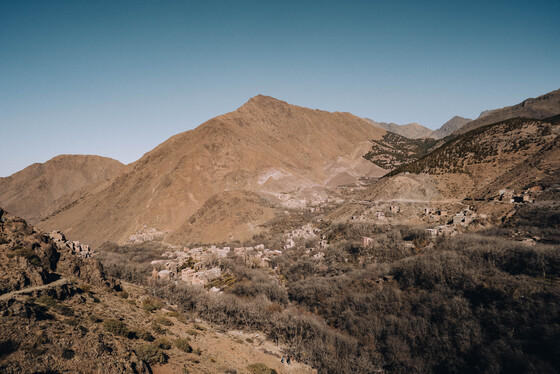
{"points": [[116, 78]]}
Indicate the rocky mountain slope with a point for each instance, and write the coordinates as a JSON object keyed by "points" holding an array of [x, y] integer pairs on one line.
{"points": [[395, 150], [31, 258], [266, 146], [40, 189], [450, 127], [541, 107], [504, 155], [60, 313], [411, 130]]}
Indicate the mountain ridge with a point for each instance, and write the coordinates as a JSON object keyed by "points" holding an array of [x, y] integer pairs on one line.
{"points": [[39, 189], [410, 130], [450, 127], [266, 145], [541, 107]]}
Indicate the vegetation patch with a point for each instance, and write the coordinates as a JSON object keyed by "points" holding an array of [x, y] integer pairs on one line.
{"points": [[49, 301], [152, 304], [7, 347], [151, 354], [394, 150], [162, 343], [158, 329], [183, 345], [163, 321], [260, 368], [116, 327], [144, 335]]}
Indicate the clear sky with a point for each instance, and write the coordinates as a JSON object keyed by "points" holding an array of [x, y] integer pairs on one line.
{"points": [[116, 78]]}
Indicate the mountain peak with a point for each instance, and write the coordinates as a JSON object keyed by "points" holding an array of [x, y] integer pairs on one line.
{"points": [[263, 100], [450, 126]]}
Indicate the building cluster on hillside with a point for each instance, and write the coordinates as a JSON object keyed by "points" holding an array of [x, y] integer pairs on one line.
{"points": [[199, 266], [462, 218], [437, 214], [75, 247], [366, 241], [509, 195], [307, 231], [145, 234], [443, 230], [381, 214]]}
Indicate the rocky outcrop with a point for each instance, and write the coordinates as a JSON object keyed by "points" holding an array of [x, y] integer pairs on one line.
{"points": [[30, 258], [77, 248]]}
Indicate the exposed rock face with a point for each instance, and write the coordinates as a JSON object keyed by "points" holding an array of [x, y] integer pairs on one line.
{"points": [[40, 189], [77, 248], [450, 127], [32, 258], [267, 145], [544, 106]]}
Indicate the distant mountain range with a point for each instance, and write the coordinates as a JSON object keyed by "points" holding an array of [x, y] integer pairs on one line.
{"points": [[538, 108], [450, 127], [411, 130], [223, 180], [266, 146]]}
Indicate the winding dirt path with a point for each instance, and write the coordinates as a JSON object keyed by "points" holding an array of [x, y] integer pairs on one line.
{"points": [[56, 283]]}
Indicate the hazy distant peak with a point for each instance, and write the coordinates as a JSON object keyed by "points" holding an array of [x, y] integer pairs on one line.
{"points": [[410, 130], [451, 126]]}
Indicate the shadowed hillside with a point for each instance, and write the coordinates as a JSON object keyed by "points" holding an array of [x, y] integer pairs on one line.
{"points": [[395, 150], [450, 126], [493, 157]]}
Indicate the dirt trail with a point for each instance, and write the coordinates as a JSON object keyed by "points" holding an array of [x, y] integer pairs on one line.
{"points": [[432, 201], [57, 283]]}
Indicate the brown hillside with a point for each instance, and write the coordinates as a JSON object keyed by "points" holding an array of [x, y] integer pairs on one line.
{"points": [[515, 153], [59, 312], [230, 215], [541, 107], [266, 145], [33, 192]]}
